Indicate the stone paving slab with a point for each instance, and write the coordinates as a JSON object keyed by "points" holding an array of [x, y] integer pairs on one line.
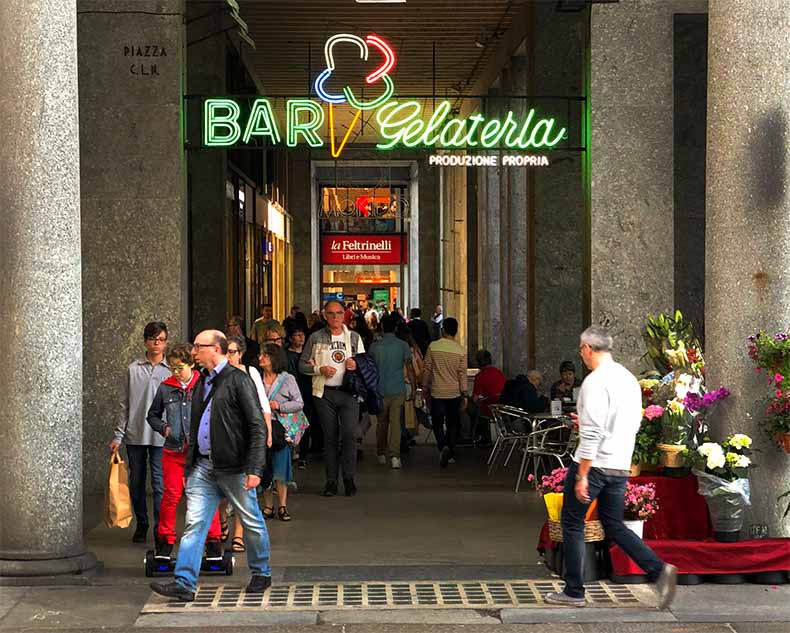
{"points": [[582, 615], [221, 620], [411, 616]]}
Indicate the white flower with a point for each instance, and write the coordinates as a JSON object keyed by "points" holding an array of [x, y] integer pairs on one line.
{"points": [[716, 460], [742, 462], [709, 448], [739, 440]]}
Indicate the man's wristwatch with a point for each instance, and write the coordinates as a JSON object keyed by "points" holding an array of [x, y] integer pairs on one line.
{"points": [[580, 477]]}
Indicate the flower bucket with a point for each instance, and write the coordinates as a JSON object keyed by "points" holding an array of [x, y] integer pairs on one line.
{"points": [[637, 527], [672, 455], [783, 439], [646, 467], [636, 470], [727, 502]]}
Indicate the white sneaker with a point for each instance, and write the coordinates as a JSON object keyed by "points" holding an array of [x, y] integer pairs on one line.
{"points": [[666, 585], [396, 463], [382, 459], [451, 460]]}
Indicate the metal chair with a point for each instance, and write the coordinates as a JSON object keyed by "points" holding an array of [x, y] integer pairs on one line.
{"points": [[512, 428], [548, 440]]}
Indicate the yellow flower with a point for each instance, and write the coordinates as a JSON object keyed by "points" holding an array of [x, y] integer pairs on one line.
{"points": [[676, 406]]}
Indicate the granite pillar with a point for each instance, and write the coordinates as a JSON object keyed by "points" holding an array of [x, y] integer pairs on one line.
{"points": [[557, 47], [747, 277], [40, 294], [134, 249], [471, 257], [490, 251], [632, 177], [515, 261]]}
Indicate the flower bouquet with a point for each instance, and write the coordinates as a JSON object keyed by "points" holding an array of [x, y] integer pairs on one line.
{"points": [[672, 344], [551, 488], [640, 505], [771, 353], [722, 473], [646, 453]]}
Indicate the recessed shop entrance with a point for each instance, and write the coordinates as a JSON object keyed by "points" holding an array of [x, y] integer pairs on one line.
{"points": [[365, 220]]}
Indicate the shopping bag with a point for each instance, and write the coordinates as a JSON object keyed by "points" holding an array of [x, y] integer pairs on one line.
{"points": [[411, 416], [295, 424], [117, 502]]}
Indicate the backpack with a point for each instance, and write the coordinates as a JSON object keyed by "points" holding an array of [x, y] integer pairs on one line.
{"points": [[364, 383]]}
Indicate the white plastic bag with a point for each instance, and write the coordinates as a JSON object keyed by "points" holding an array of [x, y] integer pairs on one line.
{"points": [[727, 500]]}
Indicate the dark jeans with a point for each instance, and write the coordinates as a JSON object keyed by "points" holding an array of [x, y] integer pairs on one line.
{"points": [[339, 414], [140, 459], [446, 412], [610, 492]]}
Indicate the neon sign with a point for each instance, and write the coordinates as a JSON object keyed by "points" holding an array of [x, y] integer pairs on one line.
{"points": [[398, 123]]}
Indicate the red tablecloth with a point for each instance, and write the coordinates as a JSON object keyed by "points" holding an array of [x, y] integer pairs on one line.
{"points": [[683, 513], [710, 557]]}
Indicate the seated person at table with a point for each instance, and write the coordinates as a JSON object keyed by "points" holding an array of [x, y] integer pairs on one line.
{"points": [[489, 383], [522, 392], [563, 388]]}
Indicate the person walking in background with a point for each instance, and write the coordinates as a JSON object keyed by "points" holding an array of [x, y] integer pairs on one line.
{"points": [[436, 323], [284, 398], [419, 330], [274, 334], [170, 416], [444, 378], [327, 355], [610, 414], [143, 444], [264, 322], [235, 327], [312, 440], [235, 354], [225, 458], [393, 360]]}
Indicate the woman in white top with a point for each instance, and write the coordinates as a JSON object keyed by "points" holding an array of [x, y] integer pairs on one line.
{"points": [[236, 348]]}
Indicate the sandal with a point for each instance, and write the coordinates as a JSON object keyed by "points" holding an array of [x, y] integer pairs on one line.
{"points": [[268, 512], [238, 545], [282, 514], [225, 528]]}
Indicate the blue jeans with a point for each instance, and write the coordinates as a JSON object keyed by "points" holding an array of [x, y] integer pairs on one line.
{"points": [[204, 490], [140, 459], [610, 492]]}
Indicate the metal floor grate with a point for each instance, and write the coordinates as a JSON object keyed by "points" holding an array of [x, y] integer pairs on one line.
{"points": [[326, 596]]}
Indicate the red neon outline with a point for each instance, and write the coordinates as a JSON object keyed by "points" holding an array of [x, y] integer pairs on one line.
{"points": [[389, 58]]}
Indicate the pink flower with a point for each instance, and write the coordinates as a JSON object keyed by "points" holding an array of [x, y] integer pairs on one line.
{"points": [[779, 378], [778, 393], [654, 411], [530, 478]]}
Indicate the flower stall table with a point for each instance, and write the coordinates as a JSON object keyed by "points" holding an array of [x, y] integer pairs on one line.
{"points": [[683, 513], [764, 561]]}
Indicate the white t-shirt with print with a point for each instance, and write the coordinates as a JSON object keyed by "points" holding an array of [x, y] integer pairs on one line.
{"points": [[337, 356]]}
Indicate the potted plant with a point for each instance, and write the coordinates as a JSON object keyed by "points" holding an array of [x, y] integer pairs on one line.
{"points": [[771, 353], [722, 472], [646, 453], [675, 426], [640, 505]]}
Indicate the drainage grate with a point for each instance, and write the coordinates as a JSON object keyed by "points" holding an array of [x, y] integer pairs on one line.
{"points": [[328, 596]]}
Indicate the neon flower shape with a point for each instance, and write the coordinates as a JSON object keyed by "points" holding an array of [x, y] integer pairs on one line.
{"points": [[381, 73]]}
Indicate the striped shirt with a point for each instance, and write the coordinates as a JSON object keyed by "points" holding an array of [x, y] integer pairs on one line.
{"points": [[445, 369]]}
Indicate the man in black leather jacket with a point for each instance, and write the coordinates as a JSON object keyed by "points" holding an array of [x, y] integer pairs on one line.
{"points": [[226, 457]]}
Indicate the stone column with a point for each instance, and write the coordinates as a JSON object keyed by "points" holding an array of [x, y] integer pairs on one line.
{"points": [[632, 178], [515, 262], [40, 293], [748, 205], [489, 252]]}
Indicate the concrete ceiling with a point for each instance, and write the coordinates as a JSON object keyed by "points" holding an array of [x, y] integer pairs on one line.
{"points": [[286, 65]]}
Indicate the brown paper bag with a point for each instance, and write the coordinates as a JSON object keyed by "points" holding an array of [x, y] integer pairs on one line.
{"points": [[117, 502], [411, 416]]}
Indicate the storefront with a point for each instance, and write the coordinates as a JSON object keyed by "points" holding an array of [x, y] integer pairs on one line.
{"points": [[364, 244]]}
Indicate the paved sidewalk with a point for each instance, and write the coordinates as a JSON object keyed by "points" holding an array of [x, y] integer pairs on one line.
{"points": [[419, 523]]}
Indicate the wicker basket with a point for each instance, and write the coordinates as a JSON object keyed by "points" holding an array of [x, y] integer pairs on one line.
{"points": [[593, 531]]}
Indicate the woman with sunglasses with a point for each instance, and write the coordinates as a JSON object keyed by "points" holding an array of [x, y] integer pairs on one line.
{"points": [[236, 348]]}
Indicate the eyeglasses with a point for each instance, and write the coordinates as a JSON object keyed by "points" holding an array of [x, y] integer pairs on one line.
{"points": [[156, 339], [233, 351], [334, 314], [581, 347], [199, 345], [175, 368], [276, 338]]}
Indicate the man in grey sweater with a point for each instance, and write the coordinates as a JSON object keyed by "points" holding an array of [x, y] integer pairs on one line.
{"points": [[610, 412]]}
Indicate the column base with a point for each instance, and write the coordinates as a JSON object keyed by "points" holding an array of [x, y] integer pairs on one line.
{"points": [[56, 570]]}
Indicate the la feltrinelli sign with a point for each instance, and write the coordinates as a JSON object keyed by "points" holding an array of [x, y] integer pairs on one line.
{"points": [[398, 123]]}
